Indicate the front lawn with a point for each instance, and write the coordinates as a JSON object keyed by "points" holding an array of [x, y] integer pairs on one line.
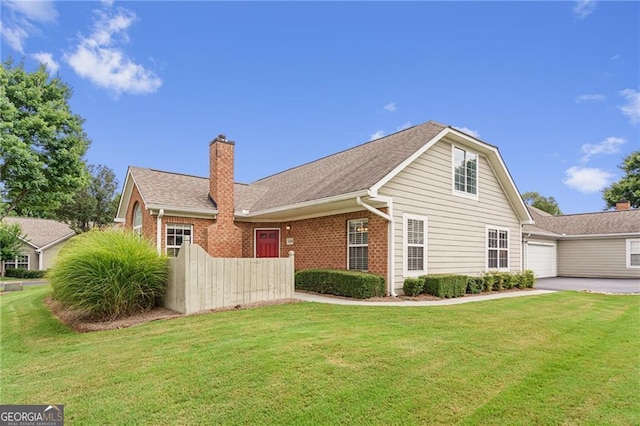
{"points": [[562, 358]]}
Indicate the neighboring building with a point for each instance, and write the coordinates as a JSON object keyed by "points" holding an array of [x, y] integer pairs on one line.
{"points": [[597, 245], [428, 199], [42, 240]]}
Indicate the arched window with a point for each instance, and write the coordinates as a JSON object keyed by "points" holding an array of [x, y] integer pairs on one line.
{"points": [[137, 219]]}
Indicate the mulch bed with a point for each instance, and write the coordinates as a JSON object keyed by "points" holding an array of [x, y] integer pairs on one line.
{"points": [[80, 322]]}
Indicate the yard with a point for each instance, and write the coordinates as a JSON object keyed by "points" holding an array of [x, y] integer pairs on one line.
{"points": [[562, 358]]}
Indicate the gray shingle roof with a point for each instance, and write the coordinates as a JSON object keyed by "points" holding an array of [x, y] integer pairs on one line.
{"points": [[172, 189], [348, 171], [601, 223], [41, 232], [352, 170]]}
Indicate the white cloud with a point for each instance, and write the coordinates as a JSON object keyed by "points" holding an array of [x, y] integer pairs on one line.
{"points": [[20, 20], [391, 106], [47, 59], [101, 59], [587, 180], [377, 135], [610, 145], [632, 108], [584, 8], [404, 126], [588, 97], [468, 131], [615, 57]]}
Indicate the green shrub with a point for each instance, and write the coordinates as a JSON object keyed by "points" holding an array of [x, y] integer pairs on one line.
{"points": [[525, 279], [445, 285], [489, 280], [475, 285], [413, 286], [359, 285], [109, 274], [508, 280], [24, 273]]}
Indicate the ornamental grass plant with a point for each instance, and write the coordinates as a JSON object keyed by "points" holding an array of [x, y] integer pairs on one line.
{"points": [[109, 274]]}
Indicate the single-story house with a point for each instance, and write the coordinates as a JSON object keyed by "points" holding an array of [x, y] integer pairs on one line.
{"points": [[427, 199], [597, 245], [42, 240]]}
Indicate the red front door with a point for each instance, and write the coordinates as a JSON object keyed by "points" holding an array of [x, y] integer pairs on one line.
{"points": [[267, 243]]}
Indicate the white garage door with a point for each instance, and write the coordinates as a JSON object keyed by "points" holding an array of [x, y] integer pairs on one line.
{"points": [[541, 259]]}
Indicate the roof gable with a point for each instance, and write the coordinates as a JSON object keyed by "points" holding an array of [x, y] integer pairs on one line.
{"points": [[41, 233]]}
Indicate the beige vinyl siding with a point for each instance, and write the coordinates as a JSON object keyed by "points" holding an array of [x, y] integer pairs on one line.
{"points": [[604, 258], [51, 253], [456, 231]]}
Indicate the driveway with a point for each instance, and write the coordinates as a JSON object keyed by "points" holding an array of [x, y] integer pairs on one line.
{"points": [[600, 285]]}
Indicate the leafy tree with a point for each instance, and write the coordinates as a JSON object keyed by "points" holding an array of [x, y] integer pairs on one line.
{"points": [[628, 187], [42, 143], [95, 204], [547, 204], [10, 242]]}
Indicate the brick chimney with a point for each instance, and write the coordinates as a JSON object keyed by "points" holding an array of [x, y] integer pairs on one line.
{"points": [[221, 176], [224, 238], [623, 205]]}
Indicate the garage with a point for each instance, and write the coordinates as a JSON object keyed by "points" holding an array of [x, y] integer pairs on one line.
{"points": [[541, 259]]}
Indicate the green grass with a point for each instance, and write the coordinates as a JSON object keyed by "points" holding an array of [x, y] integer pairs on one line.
{"points": [[562, 358]]}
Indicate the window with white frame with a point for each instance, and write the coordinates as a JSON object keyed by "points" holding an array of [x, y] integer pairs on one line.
{"points": [[358, 244], [415, 245], [176, 234], [633, 253], [465, 171], [497, 247], [137, 219], [20, 262]]}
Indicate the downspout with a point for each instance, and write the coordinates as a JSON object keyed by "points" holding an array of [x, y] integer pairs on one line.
{"points": [[40, 259], [390, 238], [159, 230]]}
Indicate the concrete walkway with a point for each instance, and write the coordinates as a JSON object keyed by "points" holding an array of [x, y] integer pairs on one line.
{"points": [[308, 297]]}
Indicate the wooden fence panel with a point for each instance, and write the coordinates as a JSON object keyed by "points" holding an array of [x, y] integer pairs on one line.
{"points": [[200, 283]]}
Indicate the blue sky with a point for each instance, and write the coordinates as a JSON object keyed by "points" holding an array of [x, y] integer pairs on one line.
{"points": [[555, 85]]}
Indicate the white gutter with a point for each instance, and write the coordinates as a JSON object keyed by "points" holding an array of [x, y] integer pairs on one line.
{"points": [[159, 230], [390, 235], [205, 212], [53, 243], [312, 203]]}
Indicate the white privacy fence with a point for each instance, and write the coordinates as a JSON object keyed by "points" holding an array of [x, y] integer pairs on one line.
{"points": [[199, 282]]}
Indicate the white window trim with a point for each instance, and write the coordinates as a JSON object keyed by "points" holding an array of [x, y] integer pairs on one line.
{"points": [[14, 262], [405, 244], [456, 192], [166, 234], [486, 248], [628, 252], [255, 239], [356, 245]]}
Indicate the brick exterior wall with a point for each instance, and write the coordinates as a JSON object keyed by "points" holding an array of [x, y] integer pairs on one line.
{"points": [[318, 243], [322, 242], [148, 221]]}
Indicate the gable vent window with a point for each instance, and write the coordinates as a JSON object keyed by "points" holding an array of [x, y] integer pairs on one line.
{"points": [[358, 244], [465, 171], [175, 237], [137, 219]]}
